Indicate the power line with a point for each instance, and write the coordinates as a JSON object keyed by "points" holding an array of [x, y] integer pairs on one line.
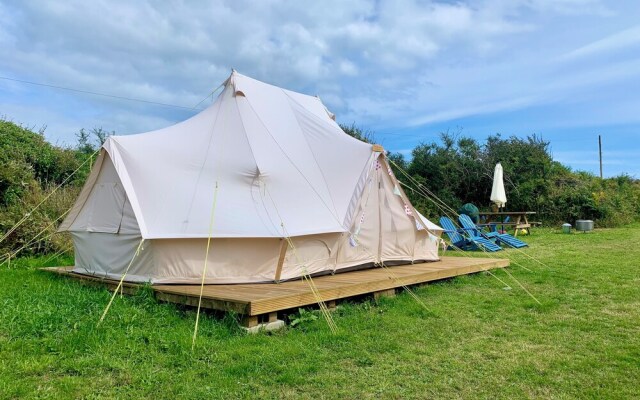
{"points": [[101, 94], [405, 135]]}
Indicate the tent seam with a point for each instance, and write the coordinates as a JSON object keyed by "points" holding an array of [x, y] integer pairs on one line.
{"points": [[255, 160], [206, 157], [84, 202], [131, 193], [324, 179], [290, 160]]}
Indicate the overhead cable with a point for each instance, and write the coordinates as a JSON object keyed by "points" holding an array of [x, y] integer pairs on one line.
{"points": [[102, 94]]}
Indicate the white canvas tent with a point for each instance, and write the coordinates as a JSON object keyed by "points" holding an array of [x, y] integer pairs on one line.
{"points": [[284, 169]]}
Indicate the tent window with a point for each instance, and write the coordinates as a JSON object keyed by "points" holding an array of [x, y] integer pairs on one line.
{"points": [[107, 207]]}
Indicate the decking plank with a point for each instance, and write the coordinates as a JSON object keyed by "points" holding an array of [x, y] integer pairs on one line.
{"points": [[262, 298]]}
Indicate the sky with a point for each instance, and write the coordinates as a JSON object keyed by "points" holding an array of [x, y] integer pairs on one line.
{"points": [[565, 70]]}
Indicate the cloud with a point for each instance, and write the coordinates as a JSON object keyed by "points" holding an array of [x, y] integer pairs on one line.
{"points": [[382, 64], [571, 7], [510, 104], [618, 41]]}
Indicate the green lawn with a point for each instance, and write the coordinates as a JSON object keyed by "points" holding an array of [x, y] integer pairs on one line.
{"points": [[477, 340]]}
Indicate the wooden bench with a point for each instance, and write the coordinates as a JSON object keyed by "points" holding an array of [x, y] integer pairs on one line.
{"points": [[517, 219], [513, 225]]}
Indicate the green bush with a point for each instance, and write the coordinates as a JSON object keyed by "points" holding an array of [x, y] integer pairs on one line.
{"points": [[31, 169], [459, 170]]}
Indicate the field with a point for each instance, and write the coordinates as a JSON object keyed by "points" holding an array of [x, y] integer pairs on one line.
{"points": [[478, 338]]}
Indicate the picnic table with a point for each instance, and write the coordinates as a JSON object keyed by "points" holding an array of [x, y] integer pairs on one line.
{"points": [[517, 219]]}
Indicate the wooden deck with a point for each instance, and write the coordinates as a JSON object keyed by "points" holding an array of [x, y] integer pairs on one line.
{"points": [[260, 302]]}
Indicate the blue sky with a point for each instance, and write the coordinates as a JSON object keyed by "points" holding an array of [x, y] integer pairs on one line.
{"points": [[566, 70]]}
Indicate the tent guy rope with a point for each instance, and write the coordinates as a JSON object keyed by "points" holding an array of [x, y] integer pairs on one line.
{"points": [[37, 236], [119, 287], [426, 193], [481, 248], [27, 215], [326, 313], [425, 189], [204, 268]]}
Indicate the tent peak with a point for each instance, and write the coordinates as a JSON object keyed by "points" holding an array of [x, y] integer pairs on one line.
{"points": [[377, 148], [232, 80]]}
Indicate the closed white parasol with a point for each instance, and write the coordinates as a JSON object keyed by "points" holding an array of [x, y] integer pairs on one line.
{"points": [[498, 195]]}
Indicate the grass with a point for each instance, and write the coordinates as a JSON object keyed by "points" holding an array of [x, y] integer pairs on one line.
{"points": [[477, 340]]}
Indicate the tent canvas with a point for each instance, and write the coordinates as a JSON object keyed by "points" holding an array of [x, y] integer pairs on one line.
{"points": [[283, 168]]}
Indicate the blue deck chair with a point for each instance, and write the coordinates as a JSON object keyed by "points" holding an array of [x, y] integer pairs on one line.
{"points": [[457, 240], [475, 231], [466, 242]]}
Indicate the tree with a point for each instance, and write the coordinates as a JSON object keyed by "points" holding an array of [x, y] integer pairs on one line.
{"points": [[101, 135], [84, 146], [361, 134]]}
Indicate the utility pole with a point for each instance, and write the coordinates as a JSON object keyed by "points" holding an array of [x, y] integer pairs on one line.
{"points": [[600, 151]]}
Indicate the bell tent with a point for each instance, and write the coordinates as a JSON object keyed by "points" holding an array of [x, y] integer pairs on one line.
{"points": [[266, 176]]}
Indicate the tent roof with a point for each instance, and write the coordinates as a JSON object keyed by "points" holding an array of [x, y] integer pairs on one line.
{"points": [[277, 157]]}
